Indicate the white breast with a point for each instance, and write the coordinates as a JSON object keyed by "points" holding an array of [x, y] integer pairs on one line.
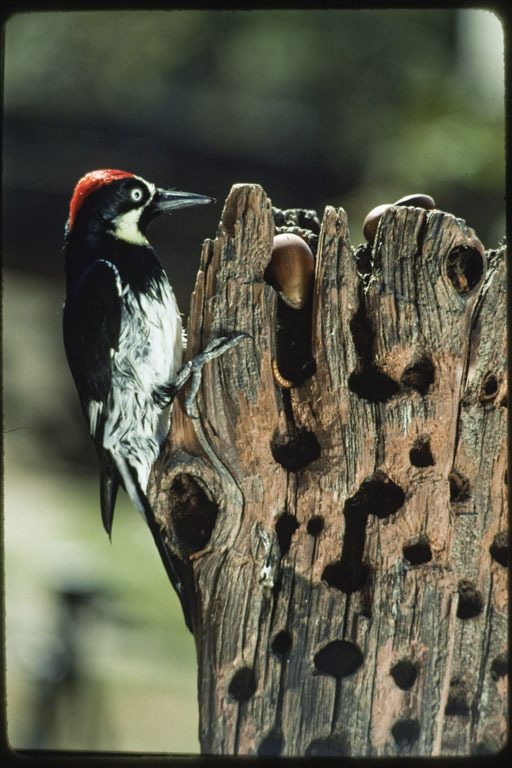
{"points": [[149, 354]]}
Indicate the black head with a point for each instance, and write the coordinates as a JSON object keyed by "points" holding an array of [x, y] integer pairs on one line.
{"points": [[122, 204]]}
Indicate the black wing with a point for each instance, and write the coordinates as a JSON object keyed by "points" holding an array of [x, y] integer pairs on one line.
{"points": [[92, 321]]}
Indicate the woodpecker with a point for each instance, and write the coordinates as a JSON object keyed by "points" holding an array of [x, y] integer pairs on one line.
{"points": [[123, 335]]}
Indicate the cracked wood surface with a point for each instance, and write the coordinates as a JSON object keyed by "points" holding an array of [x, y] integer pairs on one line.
{"points": [[335, 538]]}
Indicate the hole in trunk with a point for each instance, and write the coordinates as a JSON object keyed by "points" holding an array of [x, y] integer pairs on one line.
{"points": [[377, 495], [417, 550], [340, 658], [464, 268], [457, 703], [281, 644], [419, 376], [294, 453], [499, 548], [242, 685], [499, 666], [346, 575], [404, 673], [330, 746], [372, 384], [459, 486], [193, 514], [420, 454], [488, 388], [315, 525], [286, 525], [405, 731], [470, 602], [272, 744]]}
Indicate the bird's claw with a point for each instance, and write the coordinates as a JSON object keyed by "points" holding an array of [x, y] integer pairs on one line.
{"points": [[193, 369]]}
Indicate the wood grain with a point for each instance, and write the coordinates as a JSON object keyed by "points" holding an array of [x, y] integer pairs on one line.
{"points": [[336, 538]]}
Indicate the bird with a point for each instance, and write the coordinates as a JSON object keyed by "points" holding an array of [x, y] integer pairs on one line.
{"points": [[124, 337]]}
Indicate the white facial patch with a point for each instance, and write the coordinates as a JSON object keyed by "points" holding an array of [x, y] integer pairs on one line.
{"points": [[126, 227]]}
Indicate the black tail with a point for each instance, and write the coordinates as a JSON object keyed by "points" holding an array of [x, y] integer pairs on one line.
{"points": [[109, 485], [170, 563], [121, 471]]}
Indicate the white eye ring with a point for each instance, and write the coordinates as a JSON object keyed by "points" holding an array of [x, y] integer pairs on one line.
{"points": [[136, 194]]}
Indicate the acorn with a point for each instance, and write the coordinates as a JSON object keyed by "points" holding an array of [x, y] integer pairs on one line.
{"points": [[291, 269], [418, 201], [371, 221]]}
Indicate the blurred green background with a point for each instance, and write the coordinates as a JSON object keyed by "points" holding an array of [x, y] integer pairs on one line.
{"points": [[350, 108]]}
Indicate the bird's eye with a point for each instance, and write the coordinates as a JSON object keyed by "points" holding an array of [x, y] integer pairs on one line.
{"points": [[136, 194]]}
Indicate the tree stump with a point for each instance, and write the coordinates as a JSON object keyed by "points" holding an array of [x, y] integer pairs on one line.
{"points": [[343, 541]]}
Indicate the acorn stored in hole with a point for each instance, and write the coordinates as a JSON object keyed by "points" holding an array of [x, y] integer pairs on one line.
{"points": [[418, 201], [291, 269], [371, 222]]}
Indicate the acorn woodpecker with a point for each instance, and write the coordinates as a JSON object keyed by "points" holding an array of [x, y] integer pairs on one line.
{"points": [[123, 334]]}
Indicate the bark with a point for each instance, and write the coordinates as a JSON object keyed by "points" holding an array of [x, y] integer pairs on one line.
{"points": [[343, 542]]}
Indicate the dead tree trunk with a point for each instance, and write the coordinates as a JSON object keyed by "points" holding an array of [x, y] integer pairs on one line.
{"points": [[343, 542]]}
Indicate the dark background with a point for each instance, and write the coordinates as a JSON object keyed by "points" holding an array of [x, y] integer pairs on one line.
{"points": [[348, 108]]}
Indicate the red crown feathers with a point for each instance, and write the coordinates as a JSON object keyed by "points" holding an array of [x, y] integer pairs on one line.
{"points": [[87, 184]]}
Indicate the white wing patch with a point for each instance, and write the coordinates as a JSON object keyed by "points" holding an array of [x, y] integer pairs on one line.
{"points": [[94, 412]]}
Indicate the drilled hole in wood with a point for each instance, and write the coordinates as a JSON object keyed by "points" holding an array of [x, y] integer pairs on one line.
{"points": [[290, 272], [464, 268], [420, 454], [286, 525], [367, 381], [330, 746], [499, 548], [339, 658], [489, 745], [294, 453], [372, 384], [404, 673], [377, 495], [457, 702], [301, 221], [293, 343], [470, 602], [242, 685], [193, 513], [405, 731], [417, 550], [364, 261], [272, 744], [419, 376], [281, 644], [459, 486], [348, 575], [315, 525], [488, 388], [499, 666]]}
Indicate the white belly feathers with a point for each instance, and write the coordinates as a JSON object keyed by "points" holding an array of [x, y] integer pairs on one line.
{"points": [[149, 355]]}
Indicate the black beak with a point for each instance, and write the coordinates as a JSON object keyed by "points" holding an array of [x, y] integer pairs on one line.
{"points": [[166, 200]]}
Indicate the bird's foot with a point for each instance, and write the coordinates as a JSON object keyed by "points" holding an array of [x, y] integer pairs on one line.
{"points": [[193, 369]]}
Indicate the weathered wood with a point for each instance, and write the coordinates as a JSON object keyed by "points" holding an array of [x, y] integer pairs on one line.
{"points": [[340, 540]]}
